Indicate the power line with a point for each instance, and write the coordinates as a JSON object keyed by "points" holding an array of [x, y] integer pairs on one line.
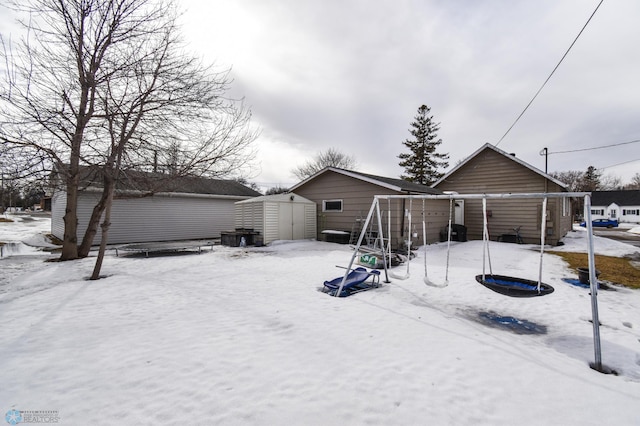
{"points": [[591, 149], [550, 75], [619, 164]]}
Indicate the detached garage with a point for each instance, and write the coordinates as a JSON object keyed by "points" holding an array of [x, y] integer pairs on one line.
{"points": [[277, 217], [151, 208]]}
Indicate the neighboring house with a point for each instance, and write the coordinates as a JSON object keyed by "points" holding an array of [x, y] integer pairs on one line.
{"points": [[344, 198], [491, 170], [623, 206], [157, 208]]}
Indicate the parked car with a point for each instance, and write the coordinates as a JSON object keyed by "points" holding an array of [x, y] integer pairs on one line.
{"points": [[602, 223]]}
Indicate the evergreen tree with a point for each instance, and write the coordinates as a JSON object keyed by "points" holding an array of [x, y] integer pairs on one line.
{"points": [[422, 163], [591, 179]]}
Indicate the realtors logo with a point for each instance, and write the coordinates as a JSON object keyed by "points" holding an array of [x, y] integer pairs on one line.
{"points": [[14, 417]]}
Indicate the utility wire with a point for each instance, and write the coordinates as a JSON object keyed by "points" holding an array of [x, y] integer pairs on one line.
{"points": [[550, 75], [591, 149], [619, 164]]}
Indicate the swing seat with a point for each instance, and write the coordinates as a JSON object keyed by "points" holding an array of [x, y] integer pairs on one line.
{"points": [[514, 287], [356, 282]]}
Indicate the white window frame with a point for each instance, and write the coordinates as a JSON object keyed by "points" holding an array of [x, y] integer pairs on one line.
{"points": [[325, 202]]}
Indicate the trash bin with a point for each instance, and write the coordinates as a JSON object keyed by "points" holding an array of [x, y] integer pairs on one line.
{"points": [[583, 275], [458, 233]]}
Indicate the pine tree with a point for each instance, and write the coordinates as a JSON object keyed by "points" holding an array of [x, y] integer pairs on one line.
{"points": [[591, 179], [422, 164]]}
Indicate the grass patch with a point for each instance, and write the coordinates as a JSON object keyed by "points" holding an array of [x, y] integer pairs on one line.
{"points": [[618, 270], [4, 219]]}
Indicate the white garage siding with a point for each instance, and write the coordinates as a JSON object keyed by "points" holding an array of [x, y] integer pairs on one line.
{"points": [[162, 217]]}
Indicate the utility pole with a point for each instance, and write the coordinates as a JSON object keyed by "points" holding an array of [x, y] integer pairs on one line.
{"points": [[545, 152]]}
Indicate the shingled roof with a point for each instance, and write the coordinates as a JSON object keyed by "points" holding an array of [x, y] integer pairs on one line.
{"points": [[621, 198], [153, 183], [394, 184]]}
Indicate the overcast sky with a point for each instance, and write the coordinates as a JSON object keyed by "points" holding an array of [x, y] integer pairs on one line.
{"points": [[351, 75]]}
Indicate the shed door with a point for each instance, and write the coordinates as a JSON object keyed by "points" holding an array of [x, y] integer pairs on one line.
{"points": [[297, 225], [285, 219], [291, 221]]}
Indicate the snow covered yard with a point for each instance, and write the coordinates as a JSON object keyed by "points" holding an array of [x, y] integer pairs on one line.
{"points": [[243, 336]]}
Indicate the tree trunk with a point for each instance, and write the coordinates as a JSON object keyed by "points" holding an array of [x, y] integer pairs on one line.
{"points": [[105, 229], [92, 226], [70, 239]]}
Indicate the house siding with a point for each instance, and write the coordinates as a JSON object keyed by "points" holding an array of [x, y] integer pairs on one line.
{"points": [[491, 172], [627, 216], [154, 218], [357, 197]]}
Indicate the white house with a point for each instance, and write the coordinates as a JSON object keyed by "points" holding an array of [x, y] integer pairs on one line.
{"points": [[623, 206]]}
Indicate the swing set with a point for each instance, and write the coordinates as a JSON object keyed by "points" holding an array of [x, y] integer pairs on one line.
{"points": [[502, 284]]}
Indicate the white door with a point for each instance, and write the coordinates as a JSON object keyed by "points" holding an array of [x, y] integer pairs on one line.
{"points": [[297, 218], [459, 212], [285, 220]]}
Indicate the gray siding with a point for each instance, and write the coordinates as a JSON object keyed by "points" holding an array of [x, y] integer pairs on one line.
{"points": [[357, 196], [155, 218], [491, 172]]}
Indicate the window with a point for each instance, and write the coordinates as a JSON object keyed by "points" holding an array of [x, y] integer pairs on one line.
{"points": [[597, 212], [565, 206], [626, 212], [331, 205]]}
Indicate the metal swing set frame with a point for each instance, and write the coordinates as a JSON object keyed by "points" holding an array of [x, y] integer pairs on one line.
{"points": [[375, 211]]}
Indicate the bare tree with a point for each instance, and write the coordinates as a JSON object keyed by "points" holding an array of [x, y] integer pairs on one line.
{"points": [[133, 100], [53, 78], [571, 178], [329, 158], [635, 182]]}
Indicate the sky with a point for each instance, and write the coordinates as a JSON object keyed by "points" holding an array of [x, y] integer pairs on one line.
{"points": [[351, 75]]}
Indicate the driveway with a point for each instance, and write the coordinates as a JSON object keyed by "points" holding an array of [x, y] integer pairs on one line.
{"points": [[619, 234]]}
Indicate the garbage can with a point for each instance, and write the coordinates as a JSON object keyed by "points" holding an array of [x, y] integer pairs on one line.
{"points": [[458, 233]]}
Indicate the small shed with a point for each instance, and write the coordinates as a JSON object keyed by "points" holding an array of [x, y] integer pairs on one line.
{"points": [[277, 217]]}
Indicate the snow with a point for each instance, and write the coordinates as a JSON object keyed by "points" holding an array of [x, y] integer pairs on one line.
{"points": [[244, 336]]}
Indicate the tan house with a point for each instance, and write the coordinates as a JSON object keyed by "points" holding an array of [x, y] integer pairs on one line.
{"points": [[343, 199], [490, 170]]}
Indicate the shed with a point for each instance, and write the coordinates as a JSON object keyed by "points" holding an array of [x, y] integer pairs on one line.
{"points": [[277, 217]]}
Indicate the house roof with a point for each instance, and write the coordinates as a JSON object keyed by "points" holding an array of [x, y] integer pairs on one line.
{"points": [[154, 183], [506, 155], [399, 185], [621, 198]]}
